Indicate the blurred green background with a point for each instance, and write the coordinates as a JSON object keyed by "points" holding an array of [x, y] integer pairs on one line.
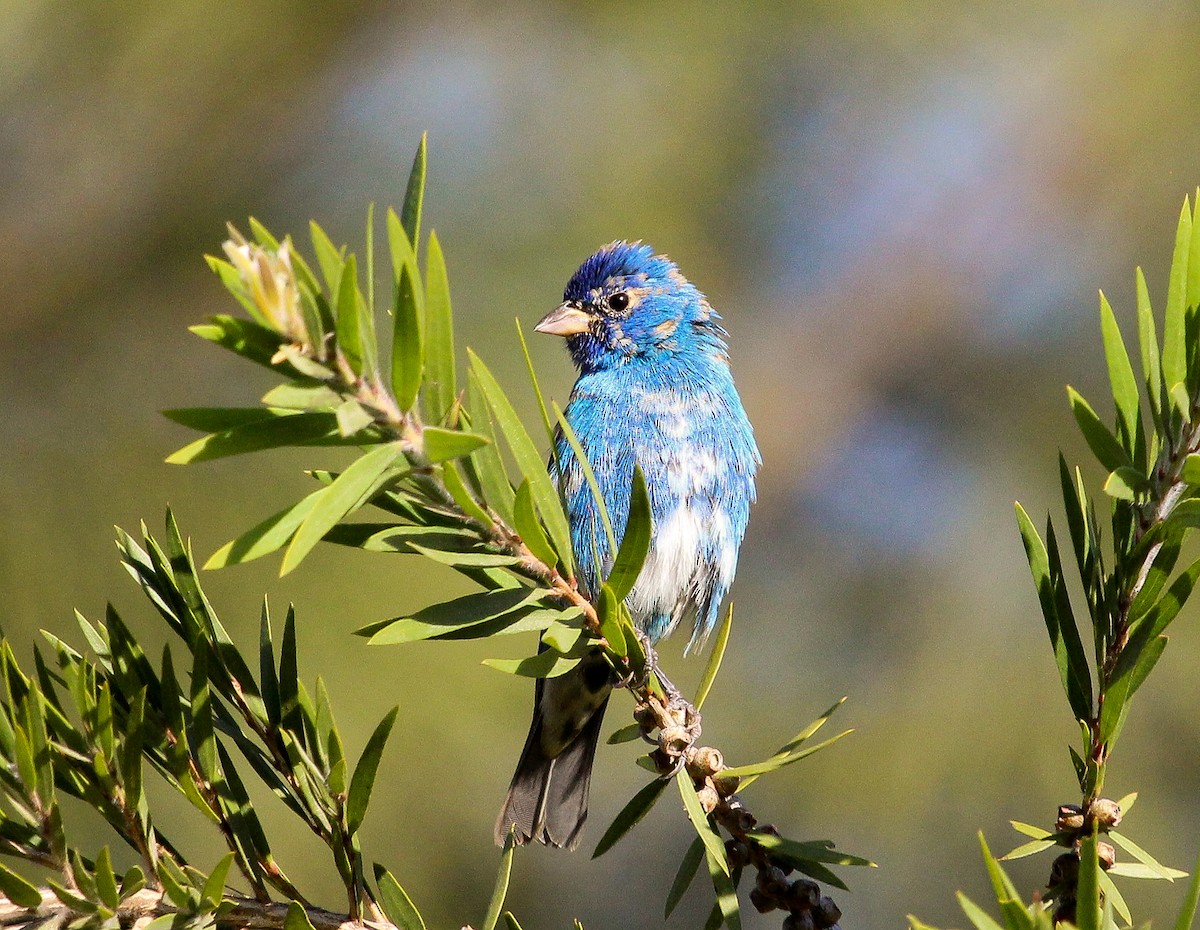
{"points": [[902, 210]]}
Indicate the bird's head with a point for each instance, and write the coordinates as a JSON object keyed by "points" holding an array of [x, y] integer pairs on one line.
{"points": [[625, 303]]}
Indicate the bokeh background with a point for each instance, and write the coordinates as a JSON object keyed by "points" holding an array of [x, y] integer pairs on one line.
{"points": [[903, 211]]}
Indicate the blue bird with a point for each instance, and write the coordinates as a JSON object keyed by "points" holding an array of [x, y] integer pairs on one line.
{"points": [[654, 389]]}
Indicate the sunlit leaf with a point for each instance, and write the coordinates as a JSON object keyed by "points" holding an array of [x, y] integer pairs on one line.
{"points": [[500, 892], [714, 658], [408, 342], [414, 195], [1174, 352], [704, 829], [397, 905], [546, 664], [631, 814], [684, 876], [275, 430], [363, 779]]}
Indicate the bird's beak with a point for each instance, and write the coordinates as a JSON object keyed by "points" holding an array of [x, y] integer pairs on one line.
{"points": [[567, 320]]}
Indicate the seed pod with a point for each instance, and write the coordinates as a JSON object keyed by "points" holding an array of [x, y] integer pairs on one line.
{"points": [[645, 716], [708, 796], [673, 739], [803, 894], [1070, 818], [1064, 871], [663, 763], [1106, 812], [826, 913], [737, 852], [762, 903], [1107, 855], [707, 761], [772, 882], [726, 784], [799, 920]]}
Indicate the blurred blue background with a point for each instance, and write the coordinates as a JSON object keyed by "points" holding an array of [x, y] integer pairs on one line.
{"points": [[903, 212]]}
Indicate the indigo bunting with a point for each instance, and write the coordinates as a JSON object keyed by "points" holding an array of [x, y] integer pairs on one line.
{"points": [[654, 389]]}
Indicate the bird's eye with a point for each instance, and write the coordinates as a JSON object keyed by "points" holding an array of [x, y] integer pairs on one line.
{"points": [[618, 301]]}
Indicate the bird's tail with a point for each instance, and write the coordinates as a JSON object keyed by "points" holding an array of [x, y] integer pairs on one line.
{"points": [[548, 798]]}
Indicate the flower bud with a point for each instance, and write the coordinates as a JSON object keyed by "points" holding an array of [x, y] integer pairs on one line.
{"points": [[1106, 812]]}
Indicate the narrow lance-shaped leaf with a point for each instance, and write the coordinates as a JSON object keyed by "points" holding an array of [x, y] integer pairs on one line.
{"points": [[18, 890], [1099, 438], [363, 779], [1087, 909], [537, 390], [1148, 344], [589, 475], [635, 541], [441, 387], [529, 461], [397, 905], [1187, 911], [1174, 352], [351, 488], [1120, 376], [266, 537], [529, 527], [726, 893], [271, 432], [631, 814], [408, 342], [346, 313], [684, 876], [487, 466], [704, 829], [414, 195], [714, 658]]}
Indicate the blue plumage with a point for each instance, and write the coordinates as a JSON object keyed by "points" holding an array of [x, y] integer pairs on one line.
{"points": [[654, 389]]}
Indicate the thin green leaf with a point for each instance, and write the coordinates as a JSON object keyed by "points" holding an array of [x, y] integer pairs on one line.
{"points": [[363, 779], [813, 851], [1126, 483], [631, 814], [546, 664], [1141, 855], [1027, 849], [635, 540], [214, 888], [18, 890], [714, 658], [106, 880], [727, 899], [446, 616], [684, 876], [500, 892], [414, 195], [1148, 343], [977, 915], [278, 428], [266, 669], [511, 922], [1143, 871], [529, 527], [1174, 352], [441, 445], [529, 461], [1113, 898], [1187, 911], [704, 829], [440, 382], [1120, 376], [1099, 438], [626, 734], [268, 536], [346, 313], [778, 762], [1030, 830], [297, 918], [397, 905], [537, 390], [589, 475], [351, 488], [408, 342]]}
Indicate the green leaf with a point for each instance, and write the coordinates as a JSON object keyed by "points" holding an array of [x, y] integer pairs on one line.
{"points": [[297, 918], [626, 734], [202, 739], [609, 612], [363, 779], [397, 905], [1112, 898], [1174, 353], [1120, 376], [466, 559], [410, 214], [548, 663], [216, 419], [440, 383], [1126, 483], [503, 874], [631, 814], [444, 444], [529, 528], [292, 395], [779, 761], [345, 310], [1187, 911], [588, 474], [268, 536], [246, 338], [1142, 856], [714, 658], [348, 492], [799, 739], [529, 461], [106, 880], [1191, 465], [18, 890], [1011, 907], [684, 876], [486, 465], [278, 428], [329, 257], [214, 888], [266, 669], [635, 541], [977, 915], [511, 922], [704, 829], [1148, 343], [446, 616], [1143, 871], [727, 900], [537, 392], [1064, 636], [453, 480], [1027, 849], [1099, 438], [408, 342], [813, 851]]}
